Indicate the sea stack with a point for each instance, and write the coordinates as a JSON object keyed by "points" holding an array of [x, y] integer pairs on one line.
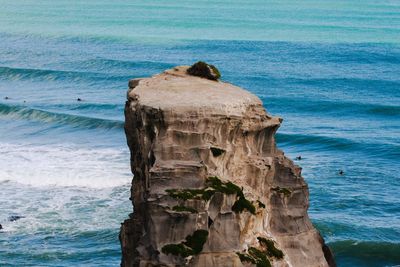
{"points": [[210, 187]]}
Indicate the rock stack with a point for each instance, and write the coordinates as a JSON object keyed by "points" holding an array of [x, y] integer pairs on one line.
{"points": [[210, 187]]}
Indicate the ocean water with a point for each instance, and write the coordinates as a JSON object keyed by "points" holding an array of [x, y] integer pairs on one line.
{"points": [[331, 69]]}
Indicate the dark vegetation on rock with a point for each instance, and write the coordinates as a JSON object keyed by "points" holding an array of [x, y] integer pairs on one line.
{"points": [[183, 209], [281, 190], [227, 188], [214, 184], [197, 240], [261, 257], [246, 258], [185, 194], [192, 246], [270, 247], [243, 204], [204, 70], [230, 188], [177, 250]]}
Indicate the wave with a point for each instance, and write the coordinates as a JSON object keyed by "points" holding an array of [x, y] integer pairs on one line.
{"points": [[64, 165], [87, 106], [362, 54], [347, 82], [373, 252], [385, 110], [105, 63], [344, 108], [98, 69], [318, 142], [17, 74], [344, 144], [307, 52], [364, 84], [26, 113], [83, 39]]}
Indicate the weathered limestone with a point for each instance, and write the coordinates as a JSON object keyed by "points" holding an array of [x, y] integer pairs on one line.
{"points": [[210, 188]]}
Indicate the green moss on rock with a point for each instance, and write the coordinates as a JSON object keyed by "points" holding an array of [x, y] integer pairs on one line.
{"points": [[243, 204], [260, 204], [260, 257], [177, 250], [227, 188], [204, 70], [230, 188], [186, 194], [184, 209], [244, 257], [270, 247], [213, 185], [192, 246], [282, 190], [197, 240], [216, 71]]}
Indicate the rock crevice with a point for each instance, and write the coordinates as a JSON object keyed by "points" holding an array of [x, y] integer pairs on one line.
{"points": [[210, 188]]}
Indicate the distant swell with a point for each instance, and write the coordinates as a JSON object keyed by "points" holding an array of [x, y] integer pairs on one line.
{"points": [[385, 110], [384, 86], [25, 113], [104, 63], [7, 73], [368, 251], [345, 82], [327, 143], [344, 108], [102, 69]]}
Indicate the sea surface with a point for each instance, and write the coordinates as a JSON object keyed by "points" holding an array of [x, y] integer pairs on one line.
{"points": [[331, 69]]}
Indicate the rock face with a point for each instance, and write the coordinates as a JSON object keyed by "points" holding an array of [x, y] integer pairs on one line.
{"points": [[210, 188]]}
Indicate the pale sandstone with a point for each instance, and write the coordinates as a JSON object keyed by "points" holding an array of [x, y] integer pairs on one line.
{"points": [[172, 122]]}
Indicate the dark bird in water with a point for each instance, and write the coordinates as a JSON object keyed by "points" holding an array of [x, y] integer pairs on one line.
{"points": [[341, 172], [79, 99], [6, 98], [14, 218], [1, 227], [298, 157]]}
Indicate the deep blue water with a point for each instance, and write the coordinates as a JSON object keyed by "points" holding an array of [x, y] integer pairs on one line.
{"points": [[64, 165]]}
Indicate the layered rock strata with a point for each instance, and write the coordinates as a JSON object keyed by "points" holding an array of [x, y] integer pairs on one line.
{"points": [[210, 188]]}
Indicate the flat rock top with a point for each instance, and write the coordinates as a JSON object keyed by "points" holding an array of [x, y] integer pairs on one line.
{"points": [[175, 89]]}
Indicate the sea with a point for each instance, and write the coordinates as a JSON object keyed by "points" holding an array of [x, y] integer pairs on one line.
{"points": [[330, 69]]}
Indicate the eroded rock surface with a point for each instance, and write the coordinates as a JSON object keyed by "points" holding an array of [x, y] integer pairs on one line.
{"points": [[210, 188]]}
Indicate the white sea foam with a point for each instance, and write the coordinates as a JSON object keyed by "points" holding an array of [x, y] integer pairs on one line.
{"points": [[64, 165]]}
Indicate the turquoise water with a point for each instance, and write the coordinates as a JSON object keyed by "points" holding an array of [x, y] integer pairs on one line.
{"points": [[331, 69]]}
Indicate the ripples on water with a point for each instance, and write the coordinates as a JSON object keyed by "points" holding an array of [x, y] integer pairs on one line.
{"points": [[64, 164]]}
